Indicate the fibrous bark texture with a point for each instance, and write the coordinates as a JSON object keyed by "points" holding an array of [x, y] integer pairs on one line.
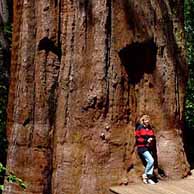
{"points": [[82, 73]]}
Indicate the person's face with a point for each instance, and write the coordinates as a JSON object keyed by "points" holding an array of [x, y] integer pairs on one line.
{"points": [[146, 122]]}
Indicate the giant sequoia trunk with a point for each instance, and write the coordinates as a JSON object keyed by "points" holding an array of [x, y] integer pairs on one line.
{"points": [[81, 68]]}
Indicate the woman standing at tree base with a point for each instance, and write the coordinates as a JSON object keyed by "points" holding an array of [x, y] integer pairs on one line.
{"points": [[145, 140]]}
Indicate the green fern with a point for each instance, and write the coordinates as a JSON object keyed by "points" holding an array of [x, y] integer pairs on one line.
{"points": [[11, 178]]}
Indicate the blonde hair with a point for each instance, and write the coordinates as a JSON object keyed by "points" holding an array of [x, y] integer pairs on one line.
{"points": [[143, 118]]}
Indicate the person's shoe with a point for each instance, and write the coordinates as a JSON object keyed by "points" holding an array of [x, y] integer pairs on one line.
{"points": [[150, 181], [145, 178]]}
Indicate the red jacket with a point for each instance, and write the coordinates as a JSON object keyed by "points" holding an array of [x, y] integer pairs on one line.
{"points": [[142, 134]]}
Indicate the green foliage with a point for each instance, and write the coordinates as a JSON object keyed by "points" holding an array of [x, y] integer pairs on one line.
{"points": [[7, 29], [189, 29], [3, 103], [11, 178]]}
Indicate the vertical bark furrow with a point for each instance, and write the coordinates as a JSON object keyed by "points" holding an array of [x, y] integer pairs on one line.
{"points": [[108, 28], [59, 29], [70, 62]]}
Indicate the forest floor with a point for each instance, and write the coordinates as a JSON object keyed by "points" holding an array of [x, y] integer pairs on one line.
{"points": [[183, 186]]}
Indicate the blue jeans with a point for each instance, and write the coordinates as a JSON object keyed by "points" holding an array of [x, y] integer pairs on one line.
{"points": [[150, 163]]}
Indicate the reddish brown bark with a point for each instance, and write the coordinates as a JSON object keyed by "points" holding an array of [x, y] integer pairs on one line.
{"points": [[83, 68]]}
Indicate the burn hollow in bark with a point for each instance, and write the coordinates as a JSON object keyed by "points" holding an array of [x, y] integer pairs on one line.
{"points": [[48, 45], [138, 58]]}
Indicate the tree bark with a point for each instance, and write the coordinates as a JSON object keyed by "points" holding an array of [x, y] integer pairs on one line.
{"points": [[82, 73]]}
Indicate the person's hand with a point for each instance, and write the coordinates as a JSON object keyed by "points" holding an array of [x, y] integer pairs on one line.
{"points": [[150, 139]]}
